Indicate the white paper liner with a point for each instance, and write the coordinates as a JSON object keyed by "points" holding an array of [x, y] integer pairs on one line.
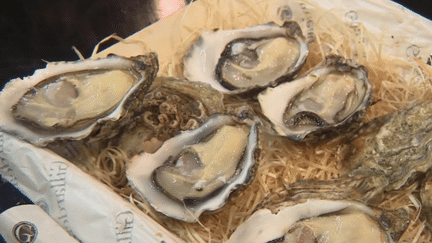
{"points": [[399, 31], [85, 208]]}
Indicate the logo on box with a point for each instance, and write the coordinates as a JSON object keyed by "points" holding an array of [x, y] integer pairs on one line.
{"points": [[25, 232]]}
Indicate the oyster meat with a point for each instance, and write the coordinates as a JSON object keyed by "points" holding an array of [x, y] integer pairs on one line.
{"points": [[326, 99], [68, 99], [197, 170], [246, 60]]}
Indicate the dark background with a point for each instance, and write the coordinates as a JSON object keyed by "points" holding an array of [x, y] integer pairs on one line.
{"points": [[37, 30]]}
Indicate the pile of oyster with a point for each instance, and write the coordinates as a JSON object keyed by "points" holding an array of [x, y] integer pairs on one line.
{"points": [[190, 150]]}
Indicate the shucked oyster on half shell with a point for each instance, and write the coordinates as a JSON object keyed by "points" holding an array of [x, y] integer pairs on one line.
{"points": [[321, 215], [326, 99], [246, 60], [68, 99], [319, 221], [197, 170]]}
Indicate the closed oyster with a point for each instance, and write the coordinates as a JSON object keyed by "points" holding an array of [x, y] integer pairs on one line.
{"points": [[171, 105], [197, 170], [398, 152], [68, 100], [246, 60], [395, 155], [316, 220], [426, 199], [326, 99]]}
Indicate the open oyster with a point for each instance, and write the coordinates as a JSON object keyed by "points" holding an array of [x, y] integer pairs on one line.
{"points": [[326, 99], [316, 220], [320, 214], [68, 99], [246, 60], [197, 170]]}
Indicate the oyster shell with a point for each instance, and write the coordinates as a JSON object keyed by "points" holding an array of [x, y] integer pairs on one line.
{"points": [[326, 99], [400, 149], [321, 215], [197, 170], [426, 198], [393, 157], [69, 99], [399, 154], [171, 105], [246, 60], [317, 220]]}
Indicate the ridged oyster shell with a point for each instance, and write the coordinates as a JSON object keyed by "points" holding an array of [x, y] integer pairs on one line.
{"points": [[170, 106], [397, 154], [197, 170], [67, 100], [246, 60], [426, 199], [324, 100], [400, 149]]}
